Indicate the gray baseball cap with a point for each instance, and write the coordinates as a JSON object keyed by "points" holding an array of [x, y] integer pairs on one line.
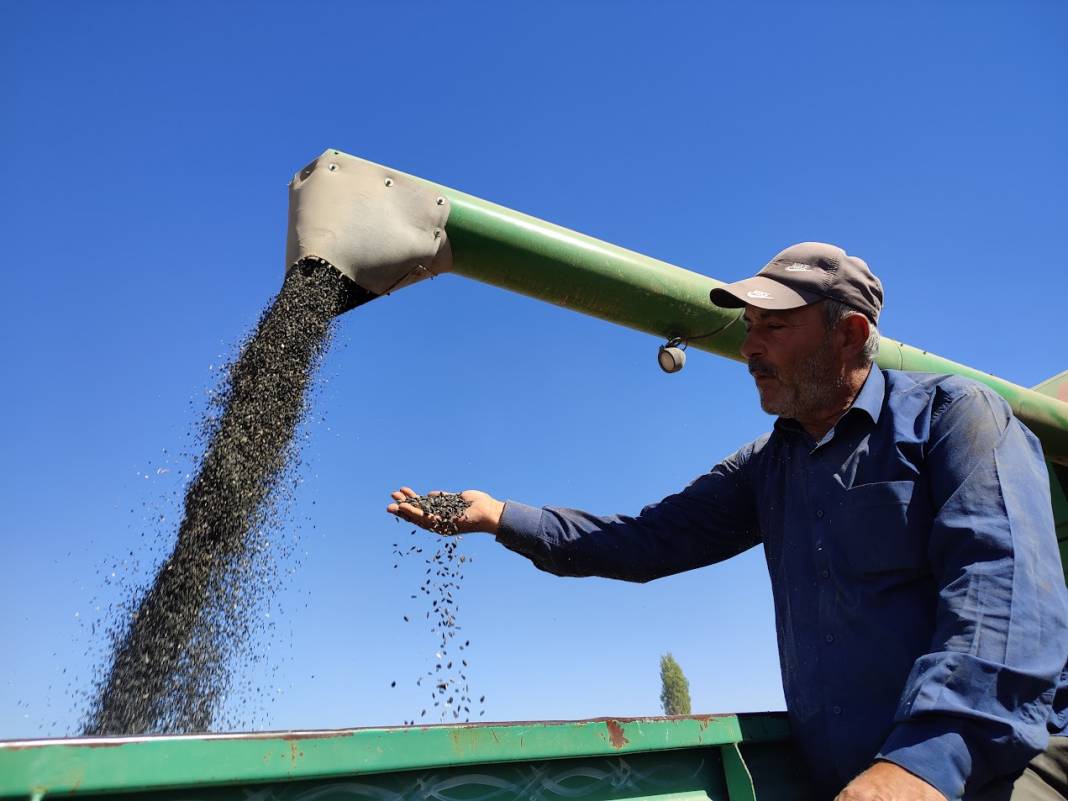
{"points": [[807, 273]]}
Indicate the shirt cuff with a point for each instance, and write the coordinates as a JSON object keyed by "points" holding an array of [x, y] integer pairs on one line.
{"points": [[520, 528], [934, 751]]}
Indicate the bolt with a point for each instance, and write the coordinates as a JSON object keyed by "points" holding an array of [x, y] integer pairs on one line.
{"points": [[441, 201], [389, 182], [332, 168]]}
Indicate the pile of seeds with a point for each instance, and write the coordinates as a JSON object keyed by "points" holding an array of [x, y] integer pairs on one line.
{"points": [[172, 656], [450, 691], [444, 508]]}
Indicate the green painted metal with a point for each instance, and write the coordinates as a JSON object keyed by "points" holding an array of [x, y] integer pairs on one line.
{"points": [[736, 772], [154, 763], [1054, 386], [687, 775], [515, 251]]}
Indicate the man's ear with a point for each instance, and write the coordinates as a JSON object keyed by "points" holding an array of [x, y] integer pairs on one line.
{"points": [[854, 331]]}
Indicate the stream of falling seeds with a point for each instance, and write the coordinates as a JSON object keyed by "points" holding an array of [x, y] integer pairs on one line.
{"points": [[450, 691], [171, 659]]}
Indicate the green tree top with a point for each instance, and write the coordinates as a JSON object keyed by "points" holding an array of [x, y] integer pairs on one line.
{"points": [[674, 688]]}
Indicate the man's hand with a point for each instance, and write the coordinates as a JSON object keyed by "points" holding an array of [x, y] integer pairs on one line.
{"points": [[484, 513], [885, 781]]}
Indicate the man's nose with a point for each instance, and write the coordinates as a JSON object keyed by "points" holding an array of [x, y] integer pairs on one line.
{"points": [[751, 347]]}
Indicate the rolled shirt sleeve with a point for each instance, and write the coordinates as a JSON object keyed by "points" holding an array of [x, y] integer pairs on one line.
{"points": [[710, 520], [975, 707]]}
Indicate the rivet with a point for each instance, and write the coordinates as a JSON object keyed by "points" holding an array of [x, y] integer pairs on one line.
{"points": [[441, 201], [332, 168], [437, 233], [389, 182]]}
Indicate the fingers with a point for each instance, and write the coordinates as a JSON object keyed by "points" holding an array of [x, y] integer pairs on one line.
{"points": [[402, 509], [402, 495]]}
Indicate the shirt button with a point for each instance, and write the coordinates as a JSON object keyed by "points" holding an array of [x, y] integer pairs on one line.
{"points": [[829, 637], [836, 709], [825, 574], [819, 513]]}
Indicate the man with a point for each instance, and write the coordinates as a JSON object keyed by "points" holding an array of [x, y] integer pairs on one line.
{"points": [[906, 520]]}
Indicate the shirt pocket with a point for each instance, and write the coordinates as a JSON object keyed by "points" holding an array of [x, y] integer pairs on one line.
{"points": [[881, 528]]}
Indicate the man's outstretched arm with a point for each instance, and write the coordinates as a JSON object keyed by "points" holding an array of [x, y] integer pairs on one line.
{"points": [[710, 520]]}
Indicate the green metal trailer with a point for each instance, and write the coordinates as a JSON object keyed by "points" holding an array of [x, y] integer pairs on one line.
{"points": [[336, 203], [722, 758]]}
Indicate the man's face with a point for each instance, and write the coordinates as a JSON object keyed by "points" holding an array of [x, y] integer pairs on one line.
{"points": [[794, 359]]}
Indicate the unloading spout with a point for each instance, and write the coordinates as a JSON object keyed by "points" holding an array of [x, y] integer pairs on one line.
{"points": [[381, 229]]}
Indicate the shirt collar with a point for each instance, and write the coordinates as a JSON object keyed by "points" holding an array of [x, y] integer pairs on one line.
{"points": [[870, 397]]}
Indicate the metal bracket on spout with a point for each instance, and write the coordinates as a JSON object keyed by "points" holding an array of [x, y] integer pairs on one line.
{"points": [[380, 228]]}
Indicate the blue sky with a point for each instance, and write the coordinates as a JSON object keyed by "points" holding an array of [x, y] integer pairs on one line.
{"points": [[146, 151]]}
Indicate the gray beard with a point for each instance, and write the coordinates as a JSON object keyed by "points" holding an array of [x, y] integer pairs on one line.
{"points": [[815, 384]]}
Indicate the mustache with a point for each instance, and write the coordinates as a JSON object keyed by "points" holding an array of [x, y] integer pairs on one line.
{"points": [[758, 367]]}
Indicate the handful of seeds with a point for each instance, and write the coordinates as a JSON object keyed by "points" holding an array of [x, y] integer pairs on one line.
{"points": [[444, 509]]}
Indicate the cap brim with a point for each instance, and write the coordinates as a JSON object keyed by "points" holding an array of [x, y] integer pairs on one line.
{"points": [[761, 292]]}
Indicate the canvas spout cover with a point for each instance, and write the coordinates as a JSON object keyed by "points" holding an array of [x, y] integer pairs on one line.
{"points": [[381, 228]]}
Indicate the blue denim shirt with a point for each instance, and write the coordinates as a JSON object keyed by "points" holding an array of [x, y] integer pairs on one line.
{"points": [[921, 608]]}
